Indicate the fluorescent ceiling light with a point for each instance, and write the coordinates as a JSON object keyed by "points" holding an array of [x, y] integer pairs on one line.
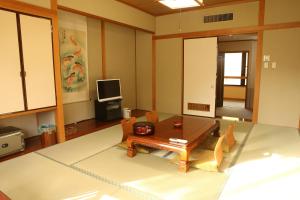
{"points": [[175, 4]]}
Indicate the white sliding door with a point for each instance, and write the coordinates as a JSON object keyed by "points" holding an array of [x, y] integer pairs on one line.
{"points": [[11, 82], [200, 67], [38, 61]]}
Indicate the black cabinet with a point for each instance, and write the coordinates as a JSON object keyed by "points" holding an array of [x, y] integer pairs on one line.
{"points": [[108, 110]]}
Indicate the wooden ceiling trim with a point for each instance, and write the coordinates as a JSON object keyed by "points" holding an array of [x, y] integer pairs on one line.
{"points": [[230, 31]]}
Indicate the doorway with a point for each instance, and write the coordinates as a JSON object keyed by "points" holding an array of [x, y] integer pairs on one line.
{"points": [[235, 76]]}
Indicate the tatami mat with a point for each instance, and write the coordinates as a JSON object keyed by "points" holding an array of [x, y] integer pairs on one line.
{"points": [[154, 175], [80, 148], [90, 167], [35, 177], [269, 166], [77, 149]]}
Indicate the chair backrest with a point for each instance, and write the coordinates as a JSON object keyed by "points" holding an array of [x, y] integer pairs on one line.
{"points": [[229, 137], [152, 116], [127, 126], [218, 152]]}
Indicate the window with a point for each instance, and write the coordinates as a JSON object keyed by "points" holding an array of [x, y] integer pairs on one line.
{"points": [[235, 68]]}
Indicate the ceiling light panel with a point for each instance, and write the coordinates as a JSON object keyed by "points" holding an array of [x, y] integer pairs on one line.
{"points": [[176, 4]]}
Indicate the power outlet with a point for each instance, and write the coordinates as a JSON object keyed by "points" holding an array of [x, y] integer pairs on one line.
{"points": [[267, 58]]}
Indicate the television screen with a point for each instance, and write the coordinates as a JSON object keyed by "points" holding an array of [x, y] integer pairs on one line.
{"points": [[108, 89]]}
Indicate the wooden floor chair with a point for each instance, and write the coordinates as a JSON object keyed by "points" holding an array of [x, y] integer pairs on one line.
{"points": [[152, 117], [206, 160], [229, 140], [127, 126]]}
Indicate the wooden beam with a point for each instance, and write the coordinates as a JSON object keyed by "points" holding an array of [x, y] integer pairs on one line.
{"points": [[230, 31], [59, 115], [259, 57], [153, 74], [101, 18], [103, 50], [27, 8], [29, 112], [261, 13]]}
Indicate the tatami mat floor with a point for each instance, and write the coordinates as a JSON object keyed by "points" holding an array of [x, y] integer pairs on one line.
{"points": [[91, 167]]}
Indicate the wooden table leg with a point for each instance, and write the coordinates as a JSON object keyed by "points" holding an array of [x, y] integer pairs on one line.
{"points": [[184, 164], [131, 151], [217, 130]]}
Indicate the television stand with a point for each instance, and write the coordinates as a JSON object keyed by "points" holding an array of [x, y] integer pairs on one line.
{"points": [[108, 110]]}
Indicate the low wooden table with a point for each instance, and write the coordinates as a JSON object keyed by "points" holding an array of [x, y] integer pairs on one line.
{"points": [[194, 130]]}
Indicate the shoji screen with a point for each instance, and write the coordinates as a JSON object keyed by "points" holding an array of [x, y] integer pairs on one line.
{"points": [[38, 61], [11, 83]]}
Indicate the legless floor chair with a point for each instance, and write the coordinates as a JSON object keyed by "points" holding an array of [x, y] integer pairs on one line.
{"points": [[206, 160], [152, 117], [127, 126], [229, 140]]}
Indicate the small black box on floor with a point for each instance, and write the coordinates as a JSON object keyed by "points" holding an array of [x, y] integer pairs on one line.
{"points": [[108, 110], [11, 140]]}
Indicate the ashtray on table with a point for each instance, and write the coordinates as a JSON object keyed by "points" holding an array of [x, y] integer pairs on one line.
{"points": [[143, 128]]}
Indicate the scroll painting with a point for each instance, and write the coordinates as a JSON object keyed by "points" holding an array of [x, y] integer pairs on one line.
{"points": [[73, 55]]}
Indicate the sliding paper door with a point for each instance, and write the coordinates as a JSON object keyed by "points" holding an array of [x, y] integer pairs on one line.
{"points": [[200, 67], [11, 82], [38, 61]]}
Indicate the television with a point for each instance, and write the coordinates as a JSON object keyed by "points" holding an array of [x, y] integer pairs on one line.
{"points": [[108, 89]]}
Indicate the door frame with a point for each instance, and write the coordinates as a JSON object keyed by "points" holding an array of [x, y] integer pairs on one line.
{"points": [[241, 51]]}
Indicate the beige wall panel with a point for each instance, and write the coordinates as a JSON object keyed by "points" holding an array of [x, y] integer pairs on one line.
{"points": [[38, 61], [279, 102], [278, 11], [41, 3], [234, 92], [27, 123], [244, 46], [113, 10], [11, 82], [144, 70], [120, 60], [244, 15], [169, 75], [75, 112]]}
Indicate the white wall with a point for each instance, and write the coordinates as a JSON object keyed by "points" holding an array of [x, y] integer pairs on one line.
{"points": [[280, 88], [278, 11], [169, 75], [113, 10], [244, 15], [144, 70], [27, 123], [41, 3], [120, 60]]}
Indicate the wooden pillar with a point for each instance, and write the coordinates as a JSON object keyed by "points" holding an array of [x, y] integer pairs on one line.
{"points": [[59, 115], [153, 74], [259, 57]]}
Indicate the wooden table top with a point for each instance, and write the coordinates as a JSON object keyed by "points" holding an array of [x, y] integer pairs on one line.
{"points": [[192, 128]]}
